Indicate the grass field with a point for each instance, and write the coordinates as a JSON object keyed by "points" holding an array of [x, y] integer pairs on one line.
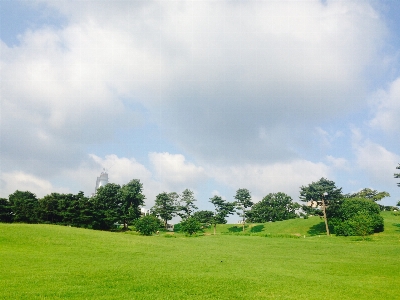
{"points": [[56, 262]]}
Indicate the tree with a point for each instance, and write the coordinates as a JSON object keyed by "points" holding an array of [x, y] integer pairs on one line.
{"points": [[357, 216], [24, 206], [204, 217], [222, 210], [273, 207], [190, 225], [132, 198], [5, 211], [77, 210], [243, 201], [397, 175], [107, 206], [186, 206], [147, 225], [49, 210], [165, 206], [325, 193], [368, 193]]}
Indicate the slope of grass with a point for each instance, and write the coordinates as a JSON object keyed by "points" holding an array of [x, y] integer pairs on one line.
{"points": [[313, 226], [55, 262]]}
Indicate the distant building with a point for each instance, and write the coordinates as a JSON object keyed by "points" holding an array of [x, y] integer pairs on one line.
{"points": [[102, 180]]}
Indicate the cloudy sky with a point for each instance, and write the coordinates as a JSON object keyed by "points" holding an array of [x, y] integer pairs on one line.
{"points": [[207, 95]]}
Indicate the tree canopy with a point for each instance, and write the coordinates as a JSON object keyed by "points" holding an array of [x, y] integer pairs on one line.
{"points": [[397, 175], [323, 192], [273, 207], [165, 206], [186, 205], [357, 216], [243, 201], [368, 193], [222, 209]]}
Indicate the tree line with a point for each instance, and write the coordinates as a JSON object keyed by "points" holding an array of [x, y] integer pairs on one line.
{"points": [[114, 205]]}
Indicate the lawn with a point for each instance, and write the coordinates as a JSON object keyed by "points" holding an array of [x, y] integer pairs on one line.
{"points": [[56, 262]]}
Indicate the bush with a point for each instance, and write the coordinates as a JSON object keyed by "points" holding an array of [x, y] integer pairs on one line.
{"points": [[190, 225], [357, 217], [147, 225]]}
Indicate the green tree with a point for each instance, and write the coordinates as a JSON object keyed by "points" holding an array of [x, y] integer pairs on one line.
{"points": [[273, 207], [49, 210], [77, 210], [107, 207], [243, 201], [368, 193], [397, 175], [132, 197], [190, 225], [165, 207], [325, 193], [24, 206], [186, 205], [222, 210], [6, 214], [204, 217], [147, 225], [357, 216]]}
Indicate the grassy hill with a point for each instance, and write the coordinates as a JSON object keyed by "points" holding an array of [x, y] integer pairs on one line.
{"points": [[55, 262], [313, 226]]}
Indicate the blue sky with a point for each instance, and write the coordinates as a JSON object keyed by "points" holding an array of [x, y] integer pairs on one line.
{"points": [[207, 95]]}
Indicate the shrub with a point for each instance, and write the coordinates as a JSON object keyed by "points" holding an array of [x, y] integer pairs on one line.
{"points": [[147, 225], [190, 225], [357, 217]]}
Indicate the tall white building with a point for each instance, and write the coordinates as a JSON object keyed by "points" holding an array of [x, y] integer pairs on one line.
{"points": [[102, 180]]}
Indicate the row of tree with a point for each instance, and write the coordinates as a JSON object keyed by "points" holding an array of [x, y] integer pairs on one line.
{"points": [[344, 214], [112, 204]]}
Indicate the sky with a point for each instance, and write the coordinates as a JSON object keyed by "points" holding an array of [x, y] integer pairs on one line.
{"points": [[212, 96]]}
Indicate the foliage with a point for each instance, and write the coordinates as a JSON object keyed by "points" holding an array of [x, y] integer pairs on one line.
{"points": [[5, 211], [368, 193], [315, 191], [147, 225], [186, 206], [204, 217], [273, 207], [107, 206], [132, 198], [397, 175], [24, 206], [325, 193], [243, 201], [190, 225], [357, 216], [165, 206], [222, 210]]}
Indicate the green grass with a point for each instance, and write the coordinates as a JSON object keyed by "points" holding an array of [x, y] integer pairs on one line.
{"points": [[55, 262]]}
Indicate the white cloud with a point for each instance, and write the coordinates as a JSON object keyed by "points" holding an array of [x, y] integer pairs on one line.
{"points": [[386, 105], [10, 182], [377, 162], [339, 163], [227, 82], [273, 178], [173, 170]]}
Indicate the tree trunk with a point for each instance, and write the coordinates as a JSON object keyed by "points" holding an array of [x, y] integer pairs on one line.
{"points": [[215, 225], [325, 219]]}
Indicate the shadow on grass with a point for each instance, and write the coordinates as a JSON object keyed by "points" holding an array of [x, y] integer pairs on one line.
{"points": [[236, 229], [257, 228], [317, 229], [398, 226]]}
